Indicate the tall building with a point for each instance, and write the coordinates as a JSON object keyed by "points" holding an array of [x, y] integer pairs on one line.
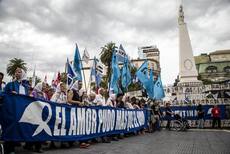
{"points": [[150, 53]]}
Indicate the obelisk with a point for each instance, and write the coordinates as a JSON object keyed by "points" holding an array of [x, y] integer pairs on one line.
{"points": [[187, 71]]}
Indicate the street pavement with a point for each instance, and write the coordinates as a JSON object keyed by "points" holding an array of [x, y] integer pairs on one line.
{"points": [[163, 142]]}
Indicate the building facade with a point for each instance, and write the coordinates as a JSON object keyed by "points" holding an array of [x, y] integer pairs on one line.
{"points": [[149, 52], [87, 71], [214, 71], [152, 55], [214, 67]]}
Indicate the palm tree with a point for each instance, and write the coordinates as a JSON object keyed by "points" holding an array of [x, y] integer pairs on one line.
{"points": [[14, 64], [106, 58]]}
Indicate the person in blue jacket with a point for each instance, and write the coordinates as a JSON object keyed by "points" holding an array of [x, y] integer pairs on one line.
{"points": [[18, 86]]}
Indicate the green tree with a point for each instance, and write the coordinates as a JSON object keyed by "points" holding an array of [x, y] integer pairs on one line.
{"points": [[14, 64], [106, 58], [103, 83], [134, 86]]}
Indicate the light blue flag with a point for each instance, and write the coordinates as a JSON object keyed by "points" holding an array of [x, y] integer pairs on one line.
{"points": [[71, 76], [95, 75], [142, 74], [115, 75], [150, 86], [126, 75], [158, 89], [77, 65], [147, 82]]}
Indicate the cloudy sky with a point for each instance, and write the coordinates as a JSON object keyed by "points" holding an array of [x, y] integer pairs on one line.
{"points": [[43, 32]]}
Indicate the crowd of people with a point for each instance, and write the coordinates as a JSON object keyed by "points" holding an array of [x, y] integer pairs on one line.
{"points": [[75, 95]]}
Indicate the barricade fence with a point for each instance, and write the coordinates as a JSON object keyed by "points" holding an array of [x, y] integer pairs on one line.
{"points": [[190, 114]]}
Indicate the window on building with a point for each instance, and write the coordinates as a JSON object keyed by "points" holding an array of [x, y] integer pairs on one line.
{"points": [[227, 69], [211, 69]]}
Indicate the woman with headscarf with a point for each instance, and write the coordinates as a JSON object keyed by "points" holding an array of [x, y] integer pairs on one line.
{"points": [[59, 97], [38, 92], [111, 101], [18, 86], [100, 97], [60, 94]]}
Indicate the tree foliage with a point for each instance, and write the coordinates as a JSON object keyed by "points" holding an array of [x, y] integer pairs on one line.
{"points": [[14, 64], [106, 59]]}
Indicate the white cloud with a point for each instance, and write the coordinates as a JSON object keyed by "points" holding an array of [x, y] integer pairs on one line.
{"points": [[44, 32]]}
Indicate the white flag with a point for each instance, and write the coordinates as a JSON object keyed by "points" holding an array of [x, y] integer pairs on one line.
{"points": [[85, 56]]}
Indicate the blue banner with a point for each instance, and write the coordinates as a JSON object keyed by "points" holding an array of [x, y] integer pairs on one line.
{"points": [[190, 112], [25, 118]]}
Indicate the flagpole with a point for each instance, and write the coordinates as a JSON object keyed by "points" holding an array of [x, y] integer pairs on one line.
{"points": [[82, 70], [89, 85], [126, 77]]}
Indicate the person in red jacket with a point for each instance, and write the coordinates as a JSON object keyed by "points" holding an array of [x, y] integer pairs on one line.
{"points": [[215, 116]]}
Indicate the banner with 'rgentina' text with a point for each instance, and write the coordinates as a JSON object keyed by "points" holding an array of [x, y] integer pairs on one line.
{"points": [[25, 118]]}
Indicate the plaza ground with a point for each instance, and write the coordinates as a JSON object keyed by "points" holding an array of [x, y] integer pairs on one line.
{"points": [[163, 142]]}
